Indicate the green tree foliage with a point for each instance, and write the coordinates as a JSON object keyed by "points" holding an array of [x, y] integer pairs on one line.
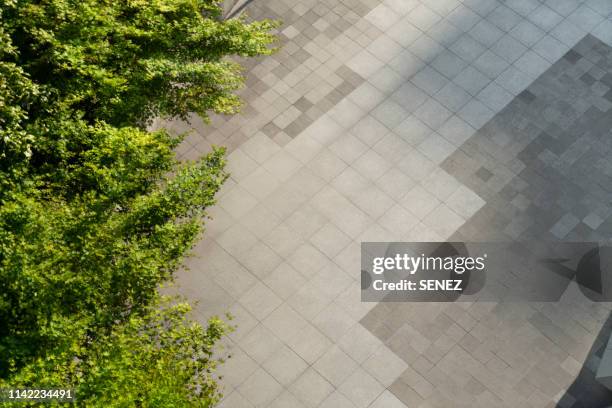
{"points": [[155, 359], [128, 60], [96, 212]]}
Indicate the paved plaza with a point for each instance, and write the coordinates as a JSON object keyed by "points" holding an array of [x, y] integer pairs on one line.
{"points": [[407, 120]]}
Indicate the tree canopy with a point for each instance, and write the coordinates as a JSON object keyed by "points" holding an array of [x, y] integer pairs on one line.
{"points": [[95, 211]]}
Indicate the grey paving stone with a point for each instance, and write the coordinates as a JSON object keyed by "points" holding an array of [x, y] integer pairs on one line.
{"points": [[329, 52], [546, 196]]}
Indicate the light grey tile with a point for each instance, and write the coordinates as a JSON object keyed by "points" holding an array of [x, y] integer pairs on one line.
{"points": [[330, 240], [346, 113], [407, 64], [389, 113], [359, 343], [585, 18], [311, 388], [361, 388], [463, 18], [337, 400], [513, 80], [423, 17], [443, 7], [416, 165], [234, 400], [260, 183], [465, 202], [365, 64], [413, 130], [237, 202], [285, 399], [604, 31], [240, 164], [350, 183], [333, 321], [235, 281], [398, 220], [238, 368], [420, 202], [545, 18], [366, 96], [426, 48], [402, 7], [429, 80], [467, 48], [306, 259], [444, 32], [504, 18], [433, 114], [303, 148], [491, 64], [563, 7], [283, 240], [443, 221], [348, 148], [384, 48], [260, 344], [309, 343], [436, 148], [284, 321], [236, 239], [371, 165], [382, 17], [448, 64], [486, 33], [386, 80], [509, 48], [260, 388], [260, 301], [527, 33], [284, 280], [392, 147], [568, 33], [369, 130], [452, 96], [282, 165], [335, 365], [395, 183], [472, 80], [326, 165], [385, 366], [482, 7], [475, 113], [440, 184], [602, 7], [523, 7], [409, 96], [388, 400], [550, 48], [495, 97], [260, 147], [532, 64], [404, 32], [324, 130], [456, 130]]}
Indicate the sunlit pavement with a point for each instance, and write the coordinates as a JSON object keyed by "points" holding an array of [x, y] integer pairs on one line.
{"points": [[403, 120]]}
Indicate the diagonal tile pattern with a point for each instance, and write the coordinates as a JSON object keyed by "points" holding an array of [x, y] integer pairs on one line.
{"points": [[541, 167], [354, 132]]}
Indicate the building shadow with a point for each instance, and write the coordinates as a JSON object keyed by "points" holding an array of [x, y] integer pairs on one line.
{"points": [[586, 391]]}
